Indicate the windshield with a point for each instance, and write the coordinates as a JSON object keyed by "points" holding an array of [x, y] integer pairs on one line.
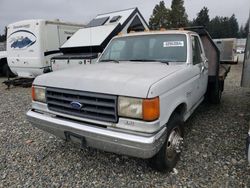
{"points": [[161, 47]]}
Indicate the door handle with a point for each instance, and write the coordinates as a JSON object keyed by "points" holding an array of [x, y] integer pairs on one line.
{"points": [[202, 69]]}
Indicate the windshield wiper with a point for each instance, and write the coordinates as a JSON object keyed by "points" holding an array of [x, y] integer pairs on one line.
{"points": [[108, 60], [140, 60], [150, 60], [163, 61]]}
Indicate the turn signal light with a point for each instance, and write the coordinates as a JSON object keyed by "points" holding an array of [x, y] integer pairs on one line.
{"points": [[151, 109]]}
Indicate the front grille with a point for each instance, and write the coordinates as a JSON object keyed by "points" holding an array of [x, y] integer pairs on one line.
{"points": [[94, 105]]}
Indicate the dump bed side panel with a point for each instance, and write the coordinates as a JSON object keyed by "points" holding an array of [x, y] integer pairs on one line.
{"points": [[211, 55], [211, 51]]}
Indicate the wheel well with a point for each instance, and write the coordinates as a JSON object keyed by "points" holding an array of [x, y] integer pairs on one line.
{"points": [[3, 61], [180, 109]]}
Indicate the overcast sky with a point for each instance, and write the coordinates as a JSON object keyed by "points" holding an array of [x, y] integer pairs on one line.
{"points": [[82, 11]]}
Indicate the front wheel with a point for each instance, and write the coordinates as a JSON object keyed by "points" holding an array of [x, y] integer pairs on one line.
{"points": [[169, 154]]}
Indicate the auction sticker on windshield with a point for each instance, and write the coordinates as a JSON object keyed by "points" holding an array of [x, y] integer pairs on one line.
{"points": [[173, 44]]}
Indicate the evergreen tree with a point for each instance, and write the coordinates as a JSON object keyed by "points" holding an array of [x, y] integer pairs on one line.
{"points": [[202, 18], [3, 37], [224, 27], [178, 14], [246, 28], [214, 27], [233, 26], [160, 17], [241, 32]]}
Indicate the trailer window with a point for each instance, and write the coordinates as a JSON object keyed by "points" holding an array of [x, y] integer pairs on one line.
{"points": [[98, 22]]}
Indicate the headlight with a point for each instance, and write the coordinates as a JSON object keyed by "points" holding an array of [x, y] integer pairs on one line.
{"points": [[38, 94], [130, 107], [145, 109]]}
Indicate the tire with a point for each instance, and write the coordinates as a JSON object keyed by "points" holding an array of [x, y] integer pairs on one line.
{"points": [[222, 85], [216, 93], [167, 157], [7, 72]]}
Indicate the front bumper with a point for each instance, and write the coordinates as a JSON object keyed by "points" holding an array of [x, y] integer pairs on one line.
{"points": [[106, 139]]}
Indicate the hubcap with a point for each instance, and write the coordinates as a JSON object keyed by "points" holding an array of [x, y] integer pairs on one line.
{"points": [[174, 144]]}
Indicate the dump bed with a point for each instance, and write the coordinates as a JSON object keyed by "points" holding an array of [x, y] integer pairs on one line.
{"points": [[215, 69]]}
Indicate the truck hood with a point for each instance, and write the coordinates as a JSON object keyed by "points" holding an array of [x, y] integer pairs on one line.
{"points": [[126, 78]]}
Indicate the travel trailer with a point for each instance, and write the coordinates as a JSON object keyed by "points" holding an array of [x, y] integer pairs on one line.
{"points": [[31, 44], [85, 45], [227, 49]]}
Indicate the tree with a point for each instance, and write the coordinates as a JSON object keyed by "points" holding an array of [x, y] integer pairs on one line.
{"points": [[214, 23], [241, 32], [160, 17], [202, 18], [224, 27], [233, 27], [3, 37], [178, 15], [246, 28]]}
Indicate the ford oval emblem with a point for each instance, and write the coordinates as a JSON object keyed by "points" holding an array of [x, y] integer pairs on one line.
{"points": [[76, 105]]}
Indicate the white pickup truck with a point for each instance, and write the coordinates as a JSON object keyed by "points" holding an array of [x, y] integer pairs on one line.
{"points": [[134, 100]]}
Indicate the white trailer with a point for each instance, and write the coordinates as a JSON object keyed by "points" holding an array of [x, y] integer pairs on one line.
{"points": [[31, 44], [227, 47], [85, 45]]}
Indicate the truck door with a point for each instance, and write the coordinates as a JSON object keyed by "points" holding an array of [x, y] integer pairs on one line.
{"points": [[200, 63]]}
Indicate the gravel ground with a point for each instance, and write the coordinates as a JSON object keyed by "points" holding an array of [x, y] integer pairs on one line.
{"points": [[213, 156]]}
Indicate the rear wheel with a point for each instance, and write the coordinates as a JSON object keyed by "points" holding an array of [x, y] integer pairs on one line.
{"points": [[216, 93], [169, 154]]}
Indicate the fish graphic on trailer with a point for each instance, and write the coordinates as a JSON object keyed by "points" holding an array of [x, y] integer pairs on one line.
{"points": [[20, 41]]}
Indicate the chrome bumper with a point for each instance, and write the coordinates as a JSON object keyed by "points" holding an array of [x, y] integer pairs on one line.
{"points": [[101, 138]]}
